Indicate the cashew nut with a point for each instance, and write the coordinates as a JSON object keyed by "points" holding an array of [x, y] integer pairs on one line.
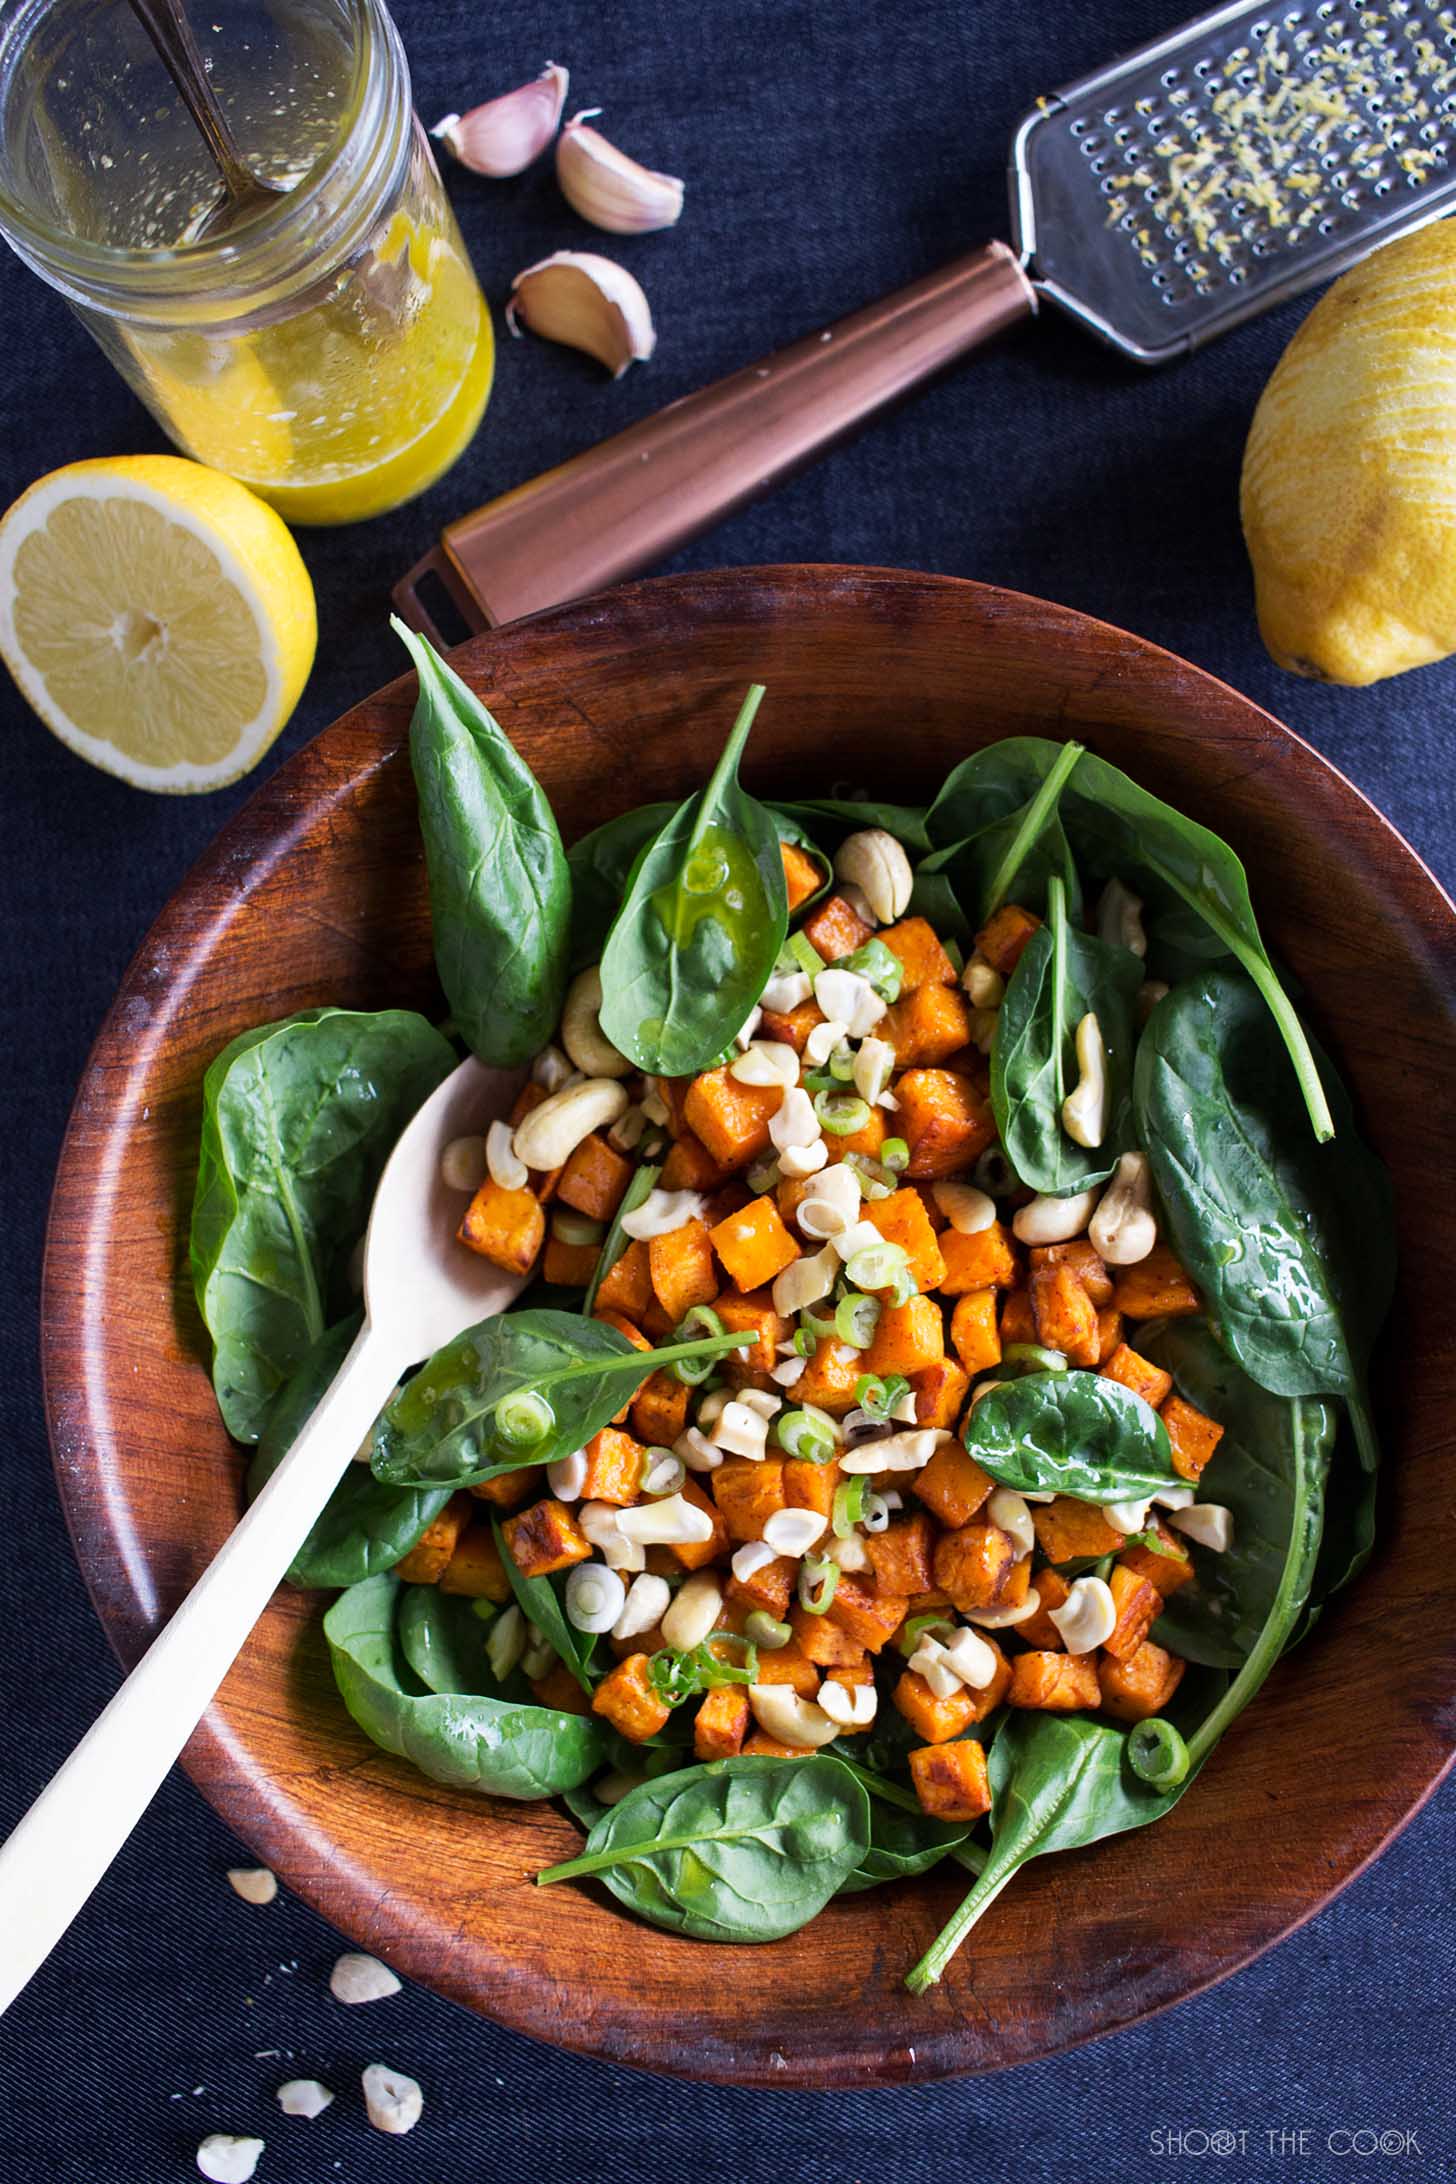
{"points": [[550, 1134], [874, 1065], [1087, 1617], [874, 861], [693, 1613], [805, 1280], [1009, 1510], [506, 1167], [909, 1451], [1084, 1110], [983, 983], [797, 1163], [1207, 1524], [968, 1210], [660, 1213], [781, 1713], [795, 1122], [1124, 1228], [1120, 919], [793, 1531], [1005, 1618], [550, 1069], [852, 1706], [581, 1030], [767, 1061], [850, 1000], [1054, 1220], [833, 1203], [647, 1600], [671, 1522], [506, 1642]]}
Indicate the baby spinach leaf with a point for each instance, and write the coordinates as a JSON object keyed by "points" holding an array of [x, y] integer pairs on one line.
{"points": [[902, 1845], [443, 1641], [364, 1526], [1062, 975], [467, 1741], [830, 818], [1011, 844], [616, 1240], [541, 1604], [1290, 1241], [704, 919], [601, 865], [500, 894], [440, 1429], [1071, 1433], [737, 1850], [298, 1119], [994, 783]]}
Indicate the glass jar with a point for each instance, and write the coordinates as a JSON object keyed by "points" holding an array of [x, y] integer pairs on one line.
{"points": [[335, 352]]}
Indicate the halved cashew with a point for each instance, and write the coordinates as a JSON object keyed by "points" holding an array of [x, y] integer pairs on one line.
{"points": [[852, 1706], [984, 984], [507, 1169], [581, 1030], [1087, 1617], [693, 1612], [550, 1134], [968, 1210], [765, 1062], [875, 862], [1008, 1510], [1207, 1524], [1124, 1228], [781, 1713], [1053, 1220], [1084, 1110], [1120, 919]]}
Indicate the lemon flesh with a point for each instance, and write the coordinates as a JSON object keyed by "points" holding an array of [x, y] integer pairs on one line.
{"points": [[157, 616], [1349, 481]]}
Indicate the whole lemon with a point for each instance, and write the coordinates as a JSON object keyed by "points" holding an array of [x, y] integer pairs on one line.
{"points": [[1349, 482]]}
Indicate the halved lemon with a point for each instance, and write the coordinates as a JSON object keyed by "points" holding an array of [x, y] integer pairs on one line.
{"points": [[157, 616]]}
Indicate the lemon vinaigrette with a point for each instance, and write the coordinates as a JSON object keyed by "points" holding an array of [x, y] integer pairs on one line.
{"points": [[335, 354]]}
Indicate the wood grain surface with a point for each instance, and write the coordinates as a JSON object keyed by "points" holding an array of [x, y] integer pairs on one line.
{"points": [[315, 893]]}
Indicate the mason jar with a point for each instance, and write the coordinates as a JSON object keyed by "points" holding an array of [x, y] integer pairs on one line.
{"points": [[334, 352]]}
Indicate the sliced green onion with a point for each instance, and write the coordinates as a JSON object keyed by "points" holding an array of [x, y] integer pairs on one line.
{"points": [[806, 956], [820, 1082], [805, 1342], [763, 1176], [880, 965], [821, 1329], [841, 1113], [875, 1180], [694, 1372], [878, 1266], [848, 1507], [903, 1287], [1157, 1754], [912, 1632], [841, 1065], [855, 1320], [869, 1394], [487, 1610], [576, 1228], [523, 1420], [767, 1631], [670, 1467], [1033, 1357], [818, 1583], [895, 1155], [800, 1434]]}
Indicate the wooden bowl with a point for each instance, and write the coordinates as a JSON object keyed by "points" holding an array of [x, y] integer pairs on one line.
{"points": [[315, 892]]}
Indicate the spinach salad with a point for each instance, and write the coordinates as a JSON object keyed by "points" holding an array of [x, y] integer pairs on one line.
{"points": [[940, 1390]]}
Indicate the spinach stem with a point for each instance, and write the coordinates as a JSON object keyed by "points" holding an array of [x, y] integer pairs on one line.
{"points": [[1057, 923], [597, 1861], [638, 1190], [1035, 818], [989, 1884]]}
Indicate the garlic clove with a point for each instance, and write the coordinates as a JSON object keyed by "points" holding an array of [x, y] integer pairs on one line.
{"points": [[608, 188], [588, 303], [502, 137]]}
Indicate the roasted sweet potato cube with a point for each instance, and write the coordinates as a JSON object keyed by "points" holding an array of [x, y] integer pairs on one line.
{"points": [[1068, 1530], [1136, 1602], [559, 1689], [951, 1780], [569, 1266], [824, 1643], [973, 1330], [1039, 1631], [1194, 1437], [595, 1178], [768, 1588], [831, 1377], [730, 1197], [544, 1538], [762, 1746], [683, 1272], [660, 1409], [1086, 1262], [689, 1166], [940, 1392], [431, 1553], [868, 1139], [512, 1488], [937, 1720], [901, 1556], [986, 1260], [802, 876], [732, 1119], [1138, 1374], [789, 1665], [627, 1286], [1005, 934], [852, 1673], [627, 1700], [1065, 1316], [721, 1723], [1140, 1685], [927, 1026], [1017, 1324], [476, 1570], [908, 1337], [952, 1485], [752, 1313], [506, 1227], [834, 929], [1156, 1288], [754, 1245], [696, 1554], [944, 1119], [1109, 1332], [870, 1616], [811, 1486], [1166, 1566], [974, 1565], [924, 961], [791, 1027], [614, 1463], [902, 1219], [748, 1493], [1054, 1683]]}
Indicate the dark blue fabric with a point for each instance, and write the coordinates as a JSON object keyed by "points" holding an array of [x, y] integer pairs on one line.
{"points": [[831, 152]]}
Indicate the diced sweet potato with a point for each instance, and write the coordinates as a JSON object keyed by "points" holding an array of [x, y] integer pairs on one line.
{"points": [[1140, 1685], [901, 1555], [475, 1570], [1109, 1332], [683, 1272], [768, 1588], [506, 1227], [902, 1219], [870, 1616], [971, 1706], [789, 1665], [754, 1245], [721, 1723], [1065, 1316], [974, 1565], [1017, 1324], [1005, 934], [868, 1139], [544, 1538], [951, 1780], [613, 1468], [1156, 1288], [940, 1391], [908, 1337], [1054, 1683], [569, 1266], [929, 1025], [831, 1377], [973, 1331], [952, 1485], [1136, 1602], [431, 1553], [1068, 1530], [1017, 1585], [660, 1409], [811, 1486], [696, 1554], [937, 1720], [923, 960], [627, 1286], [732, 1119], [595, 1178], [791, 1027], [627, 1700], [762, 1746], [823, 1642], [802, 876], [558, 1688], [986, 1260], [1039, 1630], [1086, 1262], [944, 1119], [511, 1488], [748, 1493], [689, 1166], [1166, 1566], [1194, 1437], [834, 929], [852, 1673], [752, 1313]]}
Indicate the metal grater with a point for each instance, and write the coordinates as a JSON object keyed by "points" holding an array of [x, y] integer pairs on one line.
{"points": [[1193, 183]]}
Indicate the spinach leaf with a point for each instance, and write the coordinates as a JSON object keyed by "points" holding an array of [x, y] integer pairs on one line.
{"points": [[902, 1845], [1016, 858], [616, 1240], [1071, 1433], [1290, 1241], [298, 1119], [704, 919], [440, 1429], [542, 1604], [364, 1527], [500, 894], [830, 818], [1061, 975], [443, 1641], [737, 1850], [995, 783], [601, 865], [466, 1741]]}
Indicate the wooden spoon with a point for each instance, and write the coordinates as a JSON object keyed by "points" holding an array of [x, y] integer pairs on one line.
{"points": [[420, 1290]]}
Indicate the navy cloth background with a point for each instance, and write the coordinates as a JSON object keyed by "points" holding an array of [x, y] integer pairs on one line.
{"points": [[831, 151]]}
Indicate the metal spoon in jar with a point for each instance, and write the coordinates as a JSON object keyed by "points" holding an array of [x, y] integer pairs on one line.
{"points": [[246, 194]]}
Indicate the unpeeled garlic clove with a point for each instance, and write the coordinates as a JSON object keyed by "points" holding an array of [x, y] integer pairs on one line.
{"points": [[588, 303], [502, 137], [608, 188]]}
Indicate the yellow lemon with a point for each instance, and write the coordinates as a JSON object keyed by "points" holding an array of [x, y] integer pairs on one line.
{"points": [[1349, 484], [157, 616]]}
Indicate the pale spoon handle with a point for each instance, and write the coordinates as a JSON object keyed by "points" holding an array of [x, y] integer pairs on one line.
{"points": [[73, 1831]]}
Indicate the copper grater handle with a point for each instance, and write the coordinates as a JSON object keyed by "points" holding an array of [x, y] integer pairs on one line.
{"points": [[632, 500]]}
